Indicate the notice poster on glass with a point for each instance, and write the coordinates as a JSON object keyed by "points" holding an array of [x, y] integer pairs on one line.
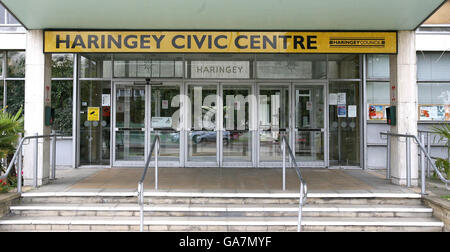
{"points": [[352, 111], [447, 112], [333, 99], [161, 122], [432, 113], [342, 110], [341, 99], [377, 111]]}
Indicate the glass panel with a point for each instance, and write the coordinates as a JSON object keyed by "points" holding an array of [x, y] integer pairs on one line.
{"points": [[165, 120], [434, 101], [343, 66], [2, 14], [95, 135], [1, 94], [378, 66], [11, 19], [433, 66], [15, 93], [309, 122], [378, 98], [62, 65], [148, 65], [344, 124], [237, 140], [202, 139], [16, 64], [1, 63], [291, 66], [96, 66], [62, 104], [273, 116], [130, 123]]}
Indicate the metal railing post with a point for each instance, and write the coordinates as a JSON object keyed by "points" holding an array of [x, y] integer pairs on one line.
{"points": [[156, 162], [422, 164], [300, 209], [388, 158], [35, 171], [283, 146], [408, 162], [19, 166], [141, 206], [53, 176], [429, 152]]}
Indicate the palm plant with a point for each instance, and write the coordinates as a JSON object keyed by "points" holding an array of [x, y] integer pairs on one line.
{"points": [[10, 127], [443, 134]]}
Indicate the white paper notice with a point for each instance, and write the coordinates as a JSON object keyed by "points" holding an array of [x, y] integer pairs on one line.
{"points": [[352, 110], [106, 100], [341, 99], [165, 104], [333, 99]]}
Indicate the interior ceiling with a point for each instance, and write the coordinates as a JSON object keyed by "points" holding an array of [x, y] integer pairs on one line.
{"points": [[220, 14]]}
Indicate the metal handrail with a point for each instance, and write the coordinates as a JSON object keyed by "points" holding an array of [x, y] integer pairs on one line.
{"points": [[19, 160], [140, 190], [422, 163], [303, 186]]}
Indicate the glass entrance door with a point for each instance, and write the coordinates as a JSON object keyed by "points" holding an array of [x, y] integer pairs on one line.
{"points": [[310, 134], [129, 124], [165, 121], [344, 123], [202, 135], [273, 121], [236, 135]]}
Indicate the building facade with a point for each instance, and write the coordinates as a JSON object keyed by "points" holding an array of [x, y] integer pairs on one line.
{"points": [[214, 109]]}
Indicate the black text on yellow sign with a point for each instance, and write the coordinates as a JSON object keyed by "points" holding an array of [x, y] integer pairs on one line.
{"points": [[219, 42], [93, 114]]}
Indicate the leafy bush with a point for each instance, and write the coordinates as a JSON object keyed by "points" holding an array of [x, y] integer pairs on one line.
{"points": [[443, 134]]}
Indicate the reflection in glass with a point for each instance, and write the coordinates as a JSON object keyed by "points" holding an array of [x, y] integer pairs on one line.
{"points": [[237, 140], [202, 140], [343, 66], [16, 64], [15, 94], [273, 116], [130, 123], [165, 120], [309, 122], [95, 66]]}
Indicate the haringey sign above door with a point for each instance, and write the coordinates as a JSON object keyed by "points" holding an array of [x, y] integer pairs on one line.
{"points": [[219, 42]]}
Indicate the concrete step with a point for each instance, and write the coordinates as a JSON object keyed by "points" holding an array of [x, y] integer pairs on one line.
{"points": [[223, 198], [200, 224], [312, 210]]}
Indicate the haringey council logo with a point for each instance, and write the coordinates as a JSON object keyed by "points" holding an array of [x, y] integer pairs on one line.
{"points": [[357, 42]]}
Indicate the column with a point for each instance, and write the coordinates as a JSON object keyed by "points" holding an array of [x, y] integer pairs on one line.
{"points": [[37, 96], [403, 70]]}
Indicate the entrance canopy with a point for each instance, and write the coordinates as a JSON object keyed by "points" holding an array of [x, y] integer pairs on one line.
{"points": [[219, 14]]}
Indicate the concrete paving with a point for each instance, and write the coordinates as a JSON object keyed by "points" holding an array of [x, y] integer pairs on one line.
{"points": [[262, 180]]}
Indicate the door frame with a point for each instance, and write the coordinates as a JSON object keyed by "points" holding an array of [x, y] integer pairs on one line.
{"points": [[116, 163], [306, 84]]}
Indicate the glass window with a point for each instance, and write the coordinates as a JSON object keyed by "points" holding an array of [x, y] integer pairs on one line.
{"points": [[148, 65], [94, 135], [291, 66], [434, 101], [62, 104], [2, 14], [377, 66], [16, 64], [1, 95], [15, 94], [11, 19], [1, 63], [62, 65], [343, 66], [433, 66], [378, 93], [96, 66]]}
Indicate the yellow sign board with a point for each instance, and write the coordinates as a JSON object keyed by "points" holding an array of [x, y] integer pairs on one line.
{"points": [[93, 114], [219, 42]]}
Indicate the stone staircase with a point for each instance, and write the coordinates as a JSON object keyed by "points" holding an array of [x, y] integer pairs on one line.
{"points": [[165, 211]]}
